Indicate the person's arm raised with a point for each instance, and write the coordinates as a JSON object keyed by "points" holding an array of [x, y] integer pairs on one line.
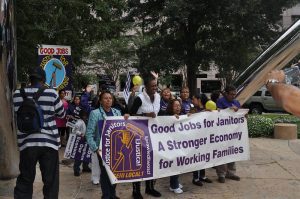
{"points": [[288, 96]]}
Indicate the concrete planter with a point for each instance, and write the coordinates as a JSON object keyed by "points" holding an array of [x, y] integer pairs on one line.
{"points": [[285, 131]]}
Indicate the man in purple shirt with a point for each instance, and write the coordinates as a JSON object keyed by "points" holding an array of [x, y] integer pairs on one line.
{"points": [[228, 101]]}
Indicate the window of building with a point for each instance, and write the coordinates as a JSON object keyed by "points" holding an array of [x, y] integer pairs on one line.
{"points": [[176, 82], [106, 82], [123, 79], [201, 76], [295, 18], [208, 86]]}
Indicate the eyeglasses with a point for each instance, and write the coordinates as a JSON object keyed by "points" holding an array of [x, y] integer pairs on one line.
{"points": [[231, 94]]}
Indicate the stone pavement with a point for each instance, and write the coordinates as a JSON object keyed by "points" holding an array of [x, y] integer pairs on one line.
{"points": [[272, 172]]}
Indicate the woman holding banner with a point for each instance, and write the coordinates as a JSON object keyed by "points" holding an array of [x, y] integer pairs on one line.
{"points": [[199, 101], [146, 104], [166, 96], [174, 108], [93, 139], [72, 116]]}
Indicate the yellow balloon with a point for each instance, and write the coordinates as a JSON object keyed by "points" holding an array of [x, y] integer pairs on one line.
{"points": [[210, 105], [137, 80]]}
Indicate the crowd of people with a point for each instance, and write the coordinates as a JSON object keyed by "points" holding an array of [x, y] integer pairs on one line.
{"points": [[43, 148]]}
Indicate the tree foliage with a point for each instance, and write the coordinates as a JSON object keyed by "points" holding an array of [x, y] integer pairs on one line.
{"points": [[111, 56], [174, 33], [77, 23], [196, 33]]}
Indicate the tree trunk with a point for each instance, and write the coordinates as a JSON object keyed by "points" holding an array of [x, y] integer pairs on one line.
{"points": [[191, 79], [192, 66]]}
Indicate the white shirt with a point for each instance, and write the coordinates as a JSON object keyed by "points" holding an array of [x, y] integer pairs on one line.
{"points": [[79, 128]]}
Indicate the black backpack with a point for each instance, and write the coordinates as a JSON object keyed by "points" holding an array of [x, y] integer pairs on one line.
{"points": [[29, 115]]}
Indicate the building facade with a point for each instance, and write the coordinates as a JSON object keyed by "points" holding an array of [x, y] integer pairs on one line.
{"points": [[289, 16]]}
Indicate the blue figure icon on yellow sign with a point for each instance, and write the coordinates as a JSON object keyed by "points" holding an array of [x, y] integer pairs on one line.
{"points": [[55, 73]]}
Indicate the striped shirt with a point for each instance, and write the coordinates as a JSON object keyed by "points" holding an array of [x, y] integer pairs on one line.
{"points": [[51, 107]]}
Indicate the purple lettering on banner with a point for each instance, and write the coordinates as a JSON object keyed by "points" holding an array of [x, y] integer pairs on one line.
{"points": [[127, 148]]}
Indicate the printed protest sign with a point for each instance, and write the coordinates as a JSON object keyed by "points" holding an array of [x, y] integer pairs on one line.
{"points": [[148, 148], [78, 149], [57, 62], [71, 122]]}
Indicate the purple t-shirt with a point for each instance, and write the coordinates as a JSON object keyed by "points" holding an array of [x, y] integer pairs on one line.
{"points": [[223, 103], [186, 106], [163, 105], [110, 113]]}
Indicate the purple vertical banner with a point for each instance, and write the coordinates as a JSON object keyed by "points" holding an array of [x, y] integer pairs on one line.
{"points": [[57, 63], [127, 148], [82, 150], [78, 149]]}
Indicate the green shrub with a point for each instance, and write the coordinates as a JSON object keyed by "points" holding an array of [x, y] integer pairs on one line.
{"points": [[286, 119], [260, 126]]}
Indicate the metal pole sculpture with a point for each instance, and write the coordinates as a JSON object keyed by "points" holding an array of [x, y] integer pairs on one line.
{"points": [[277, 56], [53, 76]]}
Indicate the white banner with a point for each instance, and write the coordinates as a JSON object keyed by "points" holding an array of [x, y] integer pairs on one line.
{"points": [[148, 148]]}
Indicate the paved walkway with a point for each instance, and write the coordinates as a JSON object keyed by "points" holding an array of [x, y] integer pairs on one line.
{"points": [[273, 172]]}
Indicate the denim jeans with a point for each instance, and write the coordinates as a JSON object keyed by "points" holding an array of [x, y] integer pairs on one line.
{"points": [[174, 182]]}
